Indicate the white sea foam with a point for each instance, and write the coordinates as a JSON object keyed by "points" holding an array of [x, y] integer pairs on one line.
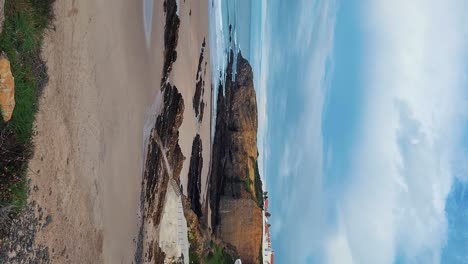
{"points": [[222, 14]]}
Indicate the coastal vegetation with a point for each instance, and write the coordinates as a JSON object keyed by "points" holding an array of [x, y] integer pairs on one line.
{"points": [[258, 185], [21, 40], [218, 256], [248, 182], [214, 253]]}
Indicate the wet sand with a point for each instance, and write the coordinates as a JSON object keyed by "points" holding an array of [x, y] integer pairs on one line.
{"points": [[193, 29], [193, 15]]}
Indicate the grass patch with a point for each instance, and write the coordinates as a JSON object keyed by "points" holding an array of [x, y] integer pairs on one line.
{"points": [[21, 39], [218, 256], [215, 254], [194, 258], [248, 182], [258, 184]]}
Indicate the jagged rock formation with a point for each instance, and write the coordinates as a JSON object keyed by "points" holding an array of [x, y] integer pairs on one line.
{"points": [[194, 176], [236, 216], [198, 103], [171, 37], [160, 169], [165, 136], [7, 88], [164, 158]]}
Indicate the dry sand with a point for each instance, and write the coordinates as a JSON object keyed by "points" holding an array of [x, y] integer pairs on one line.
{"points": [[88, 158]]}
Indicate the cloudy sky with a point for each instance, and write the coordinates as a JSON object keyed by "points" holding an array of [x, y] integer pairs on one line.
{"points": [[363, 110]]}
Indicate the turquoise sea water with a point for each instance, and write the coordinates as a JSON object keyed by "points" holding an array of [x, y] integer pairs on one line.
{"points": [[223, 14]]}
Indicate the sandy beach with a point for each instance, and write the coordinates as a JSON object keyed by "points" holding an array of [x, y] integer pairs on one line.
{"points": [[193, 30], [87, 161], [104, 80]]}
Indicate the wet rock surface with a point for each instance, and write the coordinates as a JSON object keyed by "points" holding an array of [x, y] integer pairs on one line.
{"points": [[198, 103], [164, 158], [171, 37], [164, 161], [165, 136], [194, 177]]}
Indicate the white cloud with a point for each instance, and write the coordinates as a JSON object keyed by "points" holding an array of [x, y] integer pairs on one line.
{"points": [[338, 243], [403, 163], [261, 85], [303, 199]]}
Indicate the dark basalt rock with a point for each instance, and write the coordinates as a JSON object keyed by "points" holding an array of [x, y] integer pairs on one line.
{"points": [[165, 135], [194, 176], [198, 104], [171, 37]]}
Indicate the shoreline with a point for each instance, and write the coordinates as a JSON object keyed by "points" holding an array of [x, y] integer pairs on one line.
{"points": [[177, 112]]}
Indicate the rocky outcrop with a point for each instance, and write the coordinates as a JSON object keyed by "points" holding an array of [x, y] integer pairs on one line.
{"points": [[163, 164], [164, 158], [194, 176], [171, 37], [7, 88], [198, 103], [165, 136], [236, 216]]}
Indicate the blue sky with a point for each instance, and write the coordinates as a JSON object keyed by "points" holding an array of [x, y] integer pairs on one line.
{"points": [[363, 124]]}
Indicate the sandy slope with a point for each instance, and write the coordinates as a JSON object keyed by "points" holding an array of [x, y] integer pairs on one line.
{"points": [[87, 164]]}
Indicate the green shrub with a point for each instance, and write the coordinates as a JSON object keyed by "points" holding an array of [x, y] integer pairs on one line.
{"points": [[219, 256], [258, 184], [21, 39]]}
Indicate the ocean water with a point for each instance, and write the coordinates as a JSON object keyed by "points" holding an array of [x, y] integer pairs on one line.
{"points": [[244, 18], [225, 13]]}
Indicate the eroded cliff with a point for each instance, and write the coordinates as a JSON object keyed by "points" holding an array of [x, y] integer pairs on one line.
{"points": [[236, 213]]}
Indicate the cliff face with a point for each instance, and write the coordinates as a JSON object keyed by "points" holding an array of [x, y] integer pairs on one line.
{"points": [[236, 216]]}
